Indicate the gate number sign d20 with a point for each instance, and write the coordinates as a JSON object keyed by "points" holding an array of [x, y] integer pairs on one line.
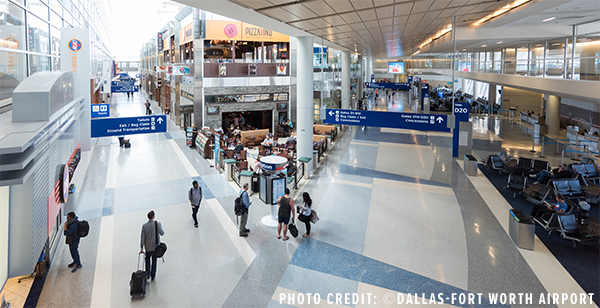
{"points": [[416, 121]]}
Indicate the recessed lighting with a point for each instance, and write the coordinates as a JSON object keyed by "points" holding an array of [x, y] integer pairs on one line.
{"points": [[555, 44], [548, 19], [499, 42], [464, 50], [538, 45], [483, 45]]}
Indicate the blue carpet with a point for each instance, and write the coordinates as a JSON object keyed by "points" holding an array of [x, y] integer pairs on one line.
{"points": [[582, 262]]}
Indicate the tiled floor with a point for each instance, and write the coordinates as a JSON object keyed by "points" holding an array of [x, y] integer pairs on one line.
{"points": [[398, 216], [15, 292]]}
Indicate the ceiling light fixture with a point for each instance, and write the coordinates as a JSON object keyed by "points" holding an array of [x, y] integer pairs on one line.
{"points": [[440, 33], [505, 9], [464, 50], [499, 42], [548, 19], [483, 45]]}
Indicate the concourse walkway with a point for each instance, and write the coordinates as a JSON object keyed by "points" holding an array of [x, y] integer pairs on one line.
{"points": [[398, 215]]}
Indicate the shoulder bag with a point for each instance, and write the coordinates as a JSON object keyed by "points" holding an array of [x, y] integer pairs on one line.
{"points": [[160, 250]]}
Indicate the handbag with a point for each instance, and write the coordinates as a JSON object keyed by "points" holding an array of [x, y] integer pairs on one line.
{"points": [[314, 217], [160, 250], [293, 230]]}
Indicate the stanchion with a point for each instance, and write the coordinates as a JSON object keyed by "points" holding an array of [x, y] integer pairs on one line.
{"points": [[532, 143], [563, 157], [543, 142]]}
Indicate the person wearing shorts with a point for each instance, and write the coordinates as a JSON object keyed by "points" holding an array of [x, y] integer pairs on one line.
{"points": [[286, 210]]}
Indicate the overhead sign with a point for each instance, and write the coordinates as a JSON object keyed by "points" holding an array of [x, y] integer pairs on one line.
{"points": [[100, 110], [241, 31], [387, 85], [129, 126], [461, 114], [123, 86], [416, 121]]}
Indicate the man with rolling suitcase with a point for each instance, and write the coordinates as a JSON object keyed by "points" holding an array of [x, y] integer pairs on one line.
{"points": [[150, 241]]}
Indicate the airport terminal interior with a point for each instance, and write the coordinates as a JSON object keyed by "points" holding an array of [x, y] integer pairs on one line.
{"points": [[426, 132]]}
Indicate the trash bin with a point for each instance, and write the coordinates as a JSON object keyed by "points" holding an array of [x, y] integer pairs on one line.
{"points": [[521, 229], [584, 214], [470, 165]]}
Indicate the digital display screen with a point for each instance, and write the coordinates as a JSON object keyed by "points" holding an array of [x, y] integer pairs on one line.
{"points": [[278, 189], [395, 67]]}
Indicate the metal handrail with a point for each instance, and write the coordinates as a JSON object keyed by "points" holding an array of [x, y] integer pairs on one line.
{"points": [[298, 175], [235, 174]]}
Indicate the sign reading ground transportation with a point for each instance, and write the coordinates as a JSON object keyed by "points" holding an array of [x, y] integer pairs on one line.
{"points": [[129, 126], [416, 121], [100, 110], [123, 86]]}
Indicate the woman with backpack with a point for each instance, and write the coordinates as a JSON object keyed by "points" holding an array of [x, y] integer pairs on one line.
{"points": [[305, 211]]}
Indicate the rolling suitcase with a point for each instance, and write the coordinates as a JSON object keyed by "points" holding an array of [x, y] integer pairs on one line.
{"points": [[137, 284]]}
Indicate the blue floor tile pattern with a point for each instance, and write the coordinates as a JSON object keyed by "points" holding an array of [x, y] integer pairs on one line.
{"points": [[108, 207], [206, 192], [346, 169], [329, 259]]}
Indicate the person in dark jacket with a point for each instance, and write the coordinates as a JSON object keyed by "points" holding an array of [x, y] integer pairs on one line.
{"points": [[71, 229], [558, 173]]}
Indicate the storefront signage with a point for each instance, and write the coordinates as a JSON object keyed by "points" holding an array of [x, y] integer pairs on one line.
{"points": [[123, 86], [387, 85], [159, 41], [416, 121], [129, 126], [241, 31], [186, 108], [100, 110], [187, 95], [186, 34]]}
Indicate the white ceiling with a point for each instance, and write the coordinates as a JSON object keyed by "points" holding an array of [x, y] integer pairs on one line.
{"points": [[394, 28]]}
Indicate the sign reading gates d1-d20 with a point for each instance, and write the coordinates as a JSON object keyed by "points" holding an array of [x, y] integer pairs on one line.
{"points": [[123, 86], [100, 110], [416, 121], [129, 126]]}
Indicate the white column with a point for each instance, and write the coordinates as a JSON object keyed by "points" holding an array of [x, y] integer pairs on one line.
{"points": [[476, 94], [304, 97], [464, 85], [553, 114], [345, 80], [492, 95]]}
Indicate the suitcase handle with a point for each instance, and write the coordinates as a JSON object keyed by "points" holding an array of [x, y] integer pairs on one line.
{"points": [[143, 260]]}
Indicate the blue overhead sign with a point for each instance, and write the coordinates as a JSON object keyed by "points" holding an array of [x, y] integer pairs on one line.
{"points": [[461, 114], [416, 121], [123, 86], [388, 85], [129, 126], [100, 111]]}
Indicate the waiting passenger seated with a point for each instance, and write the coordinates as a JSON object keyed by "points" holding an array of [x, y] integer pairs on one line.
{"points": [[544, 175], [542, 209], [268, 142], [238, 147]]}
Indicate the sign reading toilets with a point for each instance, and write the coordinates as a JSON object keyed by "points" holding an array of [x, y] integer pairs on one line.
{"points": [[100, 110], [75, 57], [129, 126]]}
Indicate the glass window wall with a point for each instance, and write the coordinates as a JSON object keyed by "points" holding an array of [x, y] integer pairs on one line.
{"points": [[536, 54], [38, 35], [12, 25], [38, 8], [555, 57]]}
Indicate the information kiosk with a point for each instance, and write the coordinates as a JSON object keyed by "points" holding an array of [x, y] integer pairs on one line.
{"points": [[272, 185]]}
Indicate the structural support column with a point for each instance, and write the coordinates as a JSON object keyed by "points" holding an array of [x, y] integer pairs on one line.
{"points": [[476, 94], [360, 82], [345, 80], [464, 85], [492, 96], [553, 114], [304, 98]]}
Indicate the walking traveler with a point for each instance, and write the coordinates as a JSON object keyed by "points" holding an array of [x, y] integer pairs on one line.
{"points": [[286, 207], [305, 211], [71, 231], [246, 201], [148, 112], [195, 196], [194, 136], [150, 240]]}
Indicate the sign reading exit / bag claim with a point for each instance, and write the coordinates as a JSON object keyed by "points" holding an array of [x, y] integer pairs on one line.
{"points": [[129, 126], [416, 121]]}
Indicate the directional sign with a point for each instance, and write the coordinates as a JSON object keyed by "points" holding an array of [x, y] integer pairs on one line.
{"points": [[388, 85], [129, 126], [416, 121], [461, 114], [100, 110], [123, 86]]}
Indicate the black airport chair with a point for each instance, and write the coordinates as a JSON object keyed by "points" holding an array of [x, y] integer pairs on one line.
{"points": [[540, 165], [516, 184]]}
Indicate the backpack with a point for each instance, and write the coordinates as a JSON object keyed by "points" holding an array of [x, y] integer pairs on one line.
{"points": [[83, 228], [239, 207]]}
